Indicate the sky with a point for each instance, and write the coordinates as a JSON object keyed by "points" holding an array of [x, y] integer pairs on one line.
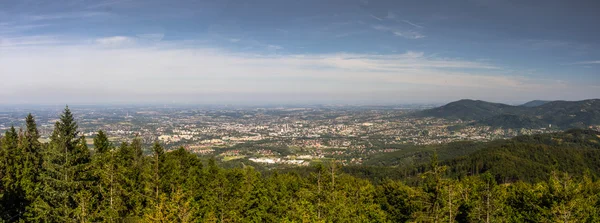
{"points": [[297, 52]]}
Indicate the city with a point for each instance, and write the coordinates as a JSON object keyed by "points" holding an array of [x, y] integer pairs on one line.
{"points": [[270, 135]]}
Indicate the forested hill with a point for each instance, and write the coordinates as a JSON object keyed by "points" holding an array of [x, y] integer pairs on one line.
{"points": [[64, 181], [524, 158], [534, 103], [559, 114], [533, 158], [471, 110]]}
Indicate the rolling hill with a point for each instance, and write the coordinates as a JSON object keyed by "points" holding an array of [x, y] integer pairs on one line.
{"points": [[533, 158], [530, 158], [535, 114]]}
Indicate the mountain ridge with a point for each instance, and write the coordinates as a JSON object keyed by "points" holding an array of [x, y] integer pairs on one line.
{"points": [[561, 114], [535, 103]]}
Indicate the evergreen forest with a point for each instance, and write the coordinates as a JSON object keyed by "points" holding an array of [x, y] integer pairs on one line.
{"points": [[65, 181]]}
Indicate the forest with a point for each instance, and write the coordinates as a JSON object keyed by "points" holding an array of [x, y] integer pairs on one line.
{"points": [[65, 181]]}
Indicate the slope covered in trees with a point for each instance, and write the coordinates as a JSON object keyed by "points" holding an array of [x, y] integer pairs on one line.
{"points": [[65, 181], [524, 158], [559, 114]]}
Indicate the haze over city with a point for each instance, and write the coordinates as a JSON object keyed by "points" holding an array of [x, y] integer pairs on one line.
{"points": [[302, 52]]}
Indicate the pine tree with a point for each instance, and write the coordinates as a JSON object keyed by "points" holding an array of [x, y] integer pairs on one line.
{"points": [[12, 195], [107, 179], [101, 143], [65, 174], [157, 164], [437, 199], [31, 159], [24, 166], [132, 174]]}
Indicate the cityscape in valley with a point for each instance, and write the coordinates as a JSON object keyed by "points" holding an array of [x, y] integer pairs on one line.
{"points": [[294, 135], [324, 111]]}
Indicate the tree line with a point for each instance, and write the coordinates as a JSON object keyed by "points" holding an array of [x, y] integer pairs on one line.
{"points": [[65, 181]]}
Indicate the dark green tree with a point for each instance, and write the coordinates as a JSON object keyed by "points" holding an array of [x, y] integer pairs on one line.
{"points": [[131, 165], [397, 200], [12, 200], [107, 178], [65, 175], [101, 143], [31, 158]]}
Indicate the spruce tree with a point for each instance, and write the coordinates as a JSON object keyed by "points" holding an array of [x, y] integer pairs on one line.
{"points": [[23, 167], [157, 164], [31, 158], [131, 166], [12, 199], [101, 143], [106, 175], [65, 174]]}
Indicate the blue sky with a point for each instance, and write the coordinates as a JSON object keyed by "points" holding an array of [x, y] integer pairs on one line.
{"points": [[278, 51]]}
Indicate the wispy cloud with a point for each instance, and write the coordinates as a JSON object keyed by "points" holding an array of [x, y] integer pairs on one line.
{"points": [[106, 3], [167, 71], [409, 34], [115, 40], [11, 28], [28, 41], [346, 34], [586, 62], [412, 24], [67, 15], [375, 17], [274, 47]]}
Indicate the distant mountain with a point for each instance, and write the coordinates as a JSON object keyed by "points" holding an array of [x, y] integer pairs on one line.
{"points": [[559, 114], [534, 103], [470, 110]]}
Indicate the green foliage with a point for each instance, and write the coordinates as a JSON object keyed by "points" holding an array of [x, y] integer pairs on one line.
{"points": [[65, 175], [119, 184], [527, 158], [561, 114]]}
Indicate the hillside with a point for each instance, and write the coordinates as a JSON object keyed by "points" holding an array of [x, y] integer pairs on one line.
{"points": [[534, 103], [513, 121], [470, 110], [558, 114], [527, 158], [532, 158]]}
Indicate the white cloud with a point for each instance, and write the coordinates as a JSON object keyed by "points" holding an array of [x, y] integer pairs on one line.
{"points": [[136, 74], [114, 40]]}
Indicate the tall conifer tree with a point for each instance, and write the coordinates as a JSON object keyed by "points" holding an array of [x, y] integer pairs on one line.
{"points": [[12, 201], [65, 174]]}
